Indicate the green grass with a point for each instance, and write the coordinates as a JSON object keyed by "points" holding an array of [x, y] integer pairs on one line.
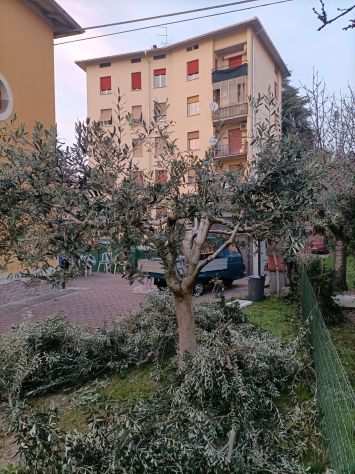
{"points": [[77, 408], [328, 263], [350, 271], [344, 339], [276, 316], [279, 317], [137, 384]]}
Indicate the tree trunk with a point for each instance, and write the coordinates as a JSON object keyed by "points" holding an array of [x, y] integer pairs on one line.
{"points": [[340, 265], [186, 323]]}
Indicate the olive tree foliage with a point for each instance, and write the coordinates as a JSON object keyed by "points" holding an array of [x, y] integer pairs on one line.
{"points": [[333, 122], [57, 200]]}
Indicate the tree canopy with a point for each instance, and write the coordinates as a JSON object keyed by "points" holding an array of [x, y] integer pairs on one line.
{"points": [[58, 201]]}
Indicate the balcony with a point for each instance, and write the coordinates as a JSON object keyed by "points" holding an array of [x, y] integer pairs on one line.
{"points": [[225, 73], [225, 150], [231, 112]]}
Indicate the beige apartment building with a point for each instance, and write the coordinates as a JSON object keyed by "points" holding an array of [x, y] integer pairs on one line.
{"points": [[27, 31], [202, 84]]}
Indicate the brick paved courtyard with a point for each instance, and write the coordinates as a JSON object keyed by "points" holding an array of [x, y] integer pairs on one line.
{"points": [[90, 302]]}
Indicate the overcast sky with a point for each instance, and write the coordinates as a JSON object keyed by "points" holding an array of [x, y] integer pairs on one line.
{"points": [[291, 26]]}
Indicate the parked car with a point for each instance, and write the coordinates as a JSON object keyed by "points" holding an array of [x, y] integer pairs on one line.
{"points": [[227, 267]]}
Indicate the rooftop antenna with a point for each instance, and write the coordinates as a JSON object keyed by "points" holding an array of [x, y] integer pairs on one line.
{"points": [[164, 36]]}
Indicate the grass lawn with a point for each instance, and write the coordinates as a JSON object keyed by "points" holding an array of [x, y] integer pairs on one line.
{"points": [[276, 316], [350, 270], [280, 318], [78, 407], [344, 339]]}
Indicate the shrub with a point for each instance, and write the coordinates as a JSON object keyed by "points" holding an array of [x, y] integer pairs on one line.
{"points": [[323, 285]]}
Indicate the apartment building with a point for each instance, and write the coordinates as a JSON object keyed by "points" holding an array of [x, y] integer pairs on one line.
{"points": [[202, 84], [27, 30]]}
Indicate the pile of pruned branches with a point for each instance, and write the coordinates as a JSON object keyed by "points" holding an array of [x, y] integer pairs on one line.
{"points": [[44, 356], [219, 412]]}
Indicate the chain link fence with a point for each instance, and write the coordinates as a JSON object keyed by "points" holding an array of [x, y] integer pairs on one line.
{"points": [[336, 397]]}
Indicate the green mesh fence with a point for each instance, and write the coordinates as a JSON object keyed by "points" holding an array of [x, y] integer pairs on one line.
{"points": [[335, 395]]}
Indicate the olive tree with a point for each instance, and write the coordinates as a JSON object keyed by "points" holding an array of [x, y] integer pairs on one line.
{"points": [[57, 200]]}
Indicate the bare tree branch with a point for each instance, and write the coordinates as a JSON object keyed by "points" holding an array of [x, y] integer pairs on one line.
{"points": [[322, 16]]}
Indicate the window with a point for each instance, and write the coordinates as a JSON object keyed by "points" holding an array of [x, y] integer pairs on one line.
{"points": [[161, 176], [6, 101], [160, 110], [217, 96], [159, 78], [106, 117], [192, 70], [105, 64], [235, 61], [193, 141], [193, 105], [136, 60], [159, 56], [137, 148], [105, 85], [136, 113], [191, 48], [136, 80]]}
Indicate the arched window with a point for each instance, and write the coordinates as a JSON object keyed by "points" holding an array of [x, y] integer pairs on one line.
{"points": [[6, 99]]}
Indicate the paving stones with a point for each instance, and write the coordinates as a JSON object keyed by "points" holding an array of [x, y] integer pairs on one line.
{"points": [[92, 302]]}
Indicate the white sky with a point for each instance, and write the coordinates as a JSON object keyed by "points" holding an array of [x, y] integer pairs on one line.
{"points": [[291, 26]]}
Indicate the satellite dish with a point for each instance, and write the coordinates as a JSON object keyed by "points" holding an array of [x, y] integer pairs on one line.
{"points": [[214, 106], [213, 141]]}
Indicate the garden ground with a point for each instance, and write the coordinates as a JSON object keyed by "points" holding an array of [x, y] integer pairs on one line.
{"points": [[78, 407]]}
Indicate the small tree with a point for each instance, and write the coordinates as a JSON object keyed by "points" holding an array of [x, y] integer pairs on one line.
{"points": [[333, 122], [68, 197]]}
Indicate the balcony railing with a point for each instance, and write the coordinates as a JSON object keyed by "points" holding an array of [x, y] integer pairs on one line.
{"points": [[237, 110], [225, 149], [221, 74]]}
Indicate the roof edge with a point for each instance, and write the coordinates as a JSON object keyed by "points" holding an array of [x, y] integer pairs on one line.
{"points": [[61, 23], [253, 23]]}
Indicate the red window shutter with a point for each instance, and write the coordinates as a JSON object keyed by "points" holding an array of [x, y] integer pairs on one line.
{"points": [[235, 61], [161, 176], [105, 83], [192, 67], [136, 80], [160, 72], [235, 140]]}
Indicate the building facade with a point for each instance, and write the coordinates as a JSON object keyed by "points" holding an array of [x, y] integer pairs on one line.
{"points": [[27, 31], [202, 84]]}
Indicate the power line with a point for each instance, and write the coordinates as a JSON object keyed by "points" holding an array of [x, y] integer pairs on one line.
{"points": [[185, 12], [172, 22]]}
